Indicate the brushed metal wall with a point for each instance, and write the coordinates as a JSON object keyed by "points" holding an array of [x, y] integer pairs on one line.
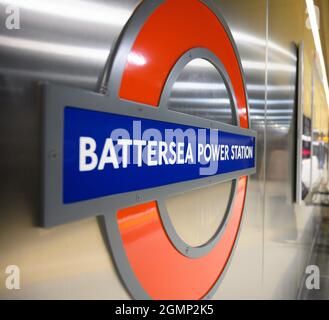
{"points": [[68, 42]]}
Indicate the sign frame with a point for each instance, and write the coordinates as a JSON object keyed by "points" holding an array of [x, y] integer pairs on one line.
{"points": [[55, 99]]}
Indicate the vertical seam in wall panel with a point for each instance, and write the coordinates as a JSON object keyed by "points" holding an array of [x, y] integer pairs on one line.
{"points": [[265, 139]]}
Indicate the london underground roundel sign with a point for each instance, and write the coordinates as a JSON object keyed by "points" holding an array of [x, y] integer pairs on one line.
{"points": [[121, 155]]}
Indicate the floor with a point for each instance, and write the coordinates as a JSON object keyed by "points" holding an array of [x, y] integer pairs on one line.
{"points": [[320, 258]]}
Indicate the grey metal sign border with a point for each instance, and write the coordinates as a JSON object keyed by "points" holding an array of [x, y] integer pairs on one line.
{"points": [[55, 98]]}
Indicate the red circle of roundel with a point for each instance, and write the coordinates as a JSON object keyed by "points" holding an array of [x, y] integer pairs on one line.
{"points": [[171, 30]]}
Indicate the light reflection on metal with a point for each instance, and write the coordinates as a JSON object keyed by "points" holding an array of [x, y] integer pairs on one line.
{"points": [[200, 91], [182, 85], [271, 66], [318, 46], [271, 111], [136, 59], [185, 85], [199, 101], [245, 38], [272, 102], [71, 9], [55, 49], [272, 88]]}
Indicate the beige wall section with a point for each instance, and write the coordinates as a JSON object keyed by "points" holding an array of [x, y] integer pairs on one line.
{"points": [[321, 114], [324, 29], [66, 262], [321, 120]]}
